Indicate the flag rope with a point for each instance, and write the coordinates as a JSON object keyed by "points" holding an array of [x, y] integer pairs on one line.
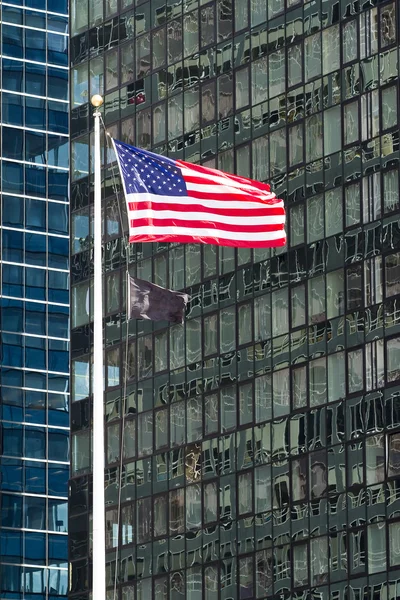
{"points": [[110, 146]]}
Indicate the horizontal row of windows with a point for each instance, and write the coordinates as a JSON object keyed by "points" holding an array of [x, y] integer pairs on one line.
{"points": [[34, 442], [29, 17], [34, 548], [34, 477], [33, 180], [37, 581], [35, 284], [35, 249], [34, 113], [34, 79], [54, 6], [35, 147], [33, 512], [34, 214], [31, 353], [33, 44], [35, 318], [35, 407]]}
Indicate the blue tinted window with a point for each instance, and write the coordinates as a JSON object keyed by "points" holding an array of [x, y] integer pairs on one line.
{"points": [[58, 361], [35, 249], [11, 546], [57, 23], [58, 83], [35, 442], [35, 318], [11, 510], [11, 377], [34, 18], [35, 214], [35, 478], [58, 154], [58, 252], [35, 181], [13, 75], [13, 211], [58, 445], [58, 287], [12, 42], [13, 243], [35, 147], [59, 383], [13, 109], [11, 578], [35, 359], [58, 185], [58, 6], [13, 279], [11, 476], [57, 49], [58, 407], [58, 321], [12, 177], [58, 117], [35, 45], [58, 479], [35, 380], [58, 550], [12, 15], [35, 512], [35, 113], [35, 79], [13, 143], [12, 350], [57, 218], [35, 547], [12, 315], [12, 439]]}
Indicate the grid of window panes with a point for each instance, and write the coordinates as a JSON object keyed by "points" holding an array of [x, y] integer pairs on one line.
{"points": [[34, 299], [260, 441]]}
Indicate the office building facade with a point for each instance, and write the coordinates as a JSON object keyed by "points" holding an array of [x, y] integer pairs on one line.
{"points": [[34, 299], [253, 452]]}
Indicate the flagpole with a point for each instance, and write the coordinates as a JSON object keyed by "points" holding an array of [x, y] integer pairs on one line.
{"points": [[99, 552]]}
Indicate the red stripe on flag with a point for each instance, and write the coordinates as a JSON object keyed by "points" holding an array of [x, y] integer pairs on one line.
{"points": [[193, 239], [193, 225], [228, 196], [213, 172], [263, 211]]}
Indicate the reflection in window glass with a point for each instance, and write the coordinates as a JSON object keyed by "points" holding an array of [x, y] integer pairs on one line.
{"points": [[312, 50], [317, 381], [394, 544], [390, 191], [332, 130], [355, 370], [336, 377]]}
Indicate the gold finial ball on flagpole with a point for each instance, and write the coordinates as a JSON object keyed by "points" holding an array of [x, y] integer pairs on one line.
{"points": [[96, 100]]}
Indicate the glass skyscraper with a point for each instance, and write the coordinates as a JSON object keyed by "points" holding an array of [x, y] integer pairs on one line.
{"points": [[34, 299], [253, 452]]}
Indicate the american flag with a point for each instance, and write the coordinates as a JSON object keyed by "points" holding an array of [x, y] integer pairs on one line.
{"points": [[174, 201]]}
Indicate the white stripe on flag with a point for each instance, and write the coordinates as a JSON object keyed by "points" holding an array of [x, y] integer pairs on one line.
{"points": [[220, 179], [209, 233], [212, 217], [187, 201]]}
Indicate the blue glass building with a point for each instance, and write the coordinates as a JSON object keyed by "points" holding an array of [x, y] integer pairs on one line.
{"points": [[34, 299]]}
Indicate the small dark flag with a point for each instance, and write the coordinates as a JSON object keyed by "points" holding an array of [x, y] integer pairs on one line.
{"points": [[154, 303]]}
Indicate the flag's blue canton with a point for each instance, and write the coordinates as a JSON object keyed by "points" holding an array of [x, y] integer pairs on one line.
{"points": [[144, 172]]}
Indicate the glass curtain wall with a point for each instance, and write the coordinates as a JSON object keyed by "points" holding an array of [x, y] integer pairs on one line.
{"points": [[34, 299], [255, 449]]}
